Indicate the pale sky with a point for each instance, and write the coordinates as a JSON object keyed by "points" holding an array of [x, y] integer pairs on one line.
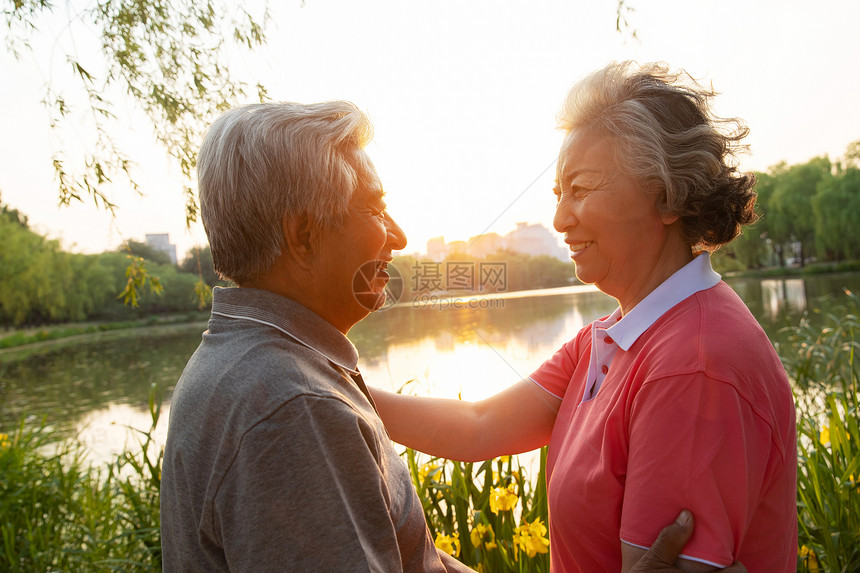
{"points": [[463, 96]]}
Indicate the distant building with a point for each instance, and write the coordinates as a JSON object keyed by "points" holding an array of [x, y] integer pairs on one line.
{"points": [[161, 242], [436, 249], [480, 246], [534, 240], [528, 239], [457, 247]]}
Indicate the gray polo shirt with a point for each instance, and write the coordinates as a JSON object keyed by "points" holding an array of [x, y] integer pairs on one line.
{"points": [[276, 460]]}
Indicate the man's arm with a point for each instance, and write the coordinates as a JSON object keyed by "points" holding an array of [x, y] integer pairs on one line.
{"points": [[663, 555]]}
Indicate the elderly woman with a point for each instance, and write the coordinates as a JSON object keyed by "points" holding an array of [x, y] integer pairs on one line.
{"points": [[677, 399]]}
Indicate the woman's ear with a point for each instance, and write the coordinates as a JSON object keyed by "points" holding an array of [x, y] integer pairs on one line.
{"points": [[667, 215]]}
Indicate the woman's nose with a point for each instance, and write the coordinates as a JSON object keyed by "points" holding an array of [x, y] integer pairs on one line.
{"points": [[564, 217]]}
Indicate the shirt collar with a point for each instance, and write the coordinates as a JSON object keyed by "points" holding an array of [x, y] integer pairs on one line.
{"points": [[695, 276], [288, 316]]}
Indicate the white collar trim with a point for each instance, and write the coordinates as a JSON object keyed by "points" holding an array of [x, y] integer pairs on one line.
{"points": [[695, 276]]}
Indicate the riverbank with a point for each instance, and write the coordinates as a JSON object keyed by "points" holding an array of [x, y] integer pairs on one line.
{"points": [[18, 338], [36, 337], [798, 271]]}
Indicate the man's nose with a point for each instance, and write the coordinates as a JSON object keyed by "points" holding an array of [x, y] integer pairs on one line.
{"points": [[396, 236]]}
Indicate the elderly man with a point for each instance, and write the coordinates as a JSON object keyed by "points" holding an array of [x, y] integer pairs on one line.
{"points": [[276, 459]]}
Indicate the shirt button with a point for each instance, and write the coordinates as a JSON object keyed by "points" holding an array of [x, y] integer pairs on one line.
{"points": [[608, 340], [604, 369]]}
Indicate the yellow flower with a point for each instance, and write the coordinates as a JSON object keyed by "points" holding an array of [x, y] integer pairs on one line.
{"points": [[483, 534], [450, 544], [531, 538], [4, 440], [504, 459], [824, 437], [809, 558], [428, 469], [503, 499]]}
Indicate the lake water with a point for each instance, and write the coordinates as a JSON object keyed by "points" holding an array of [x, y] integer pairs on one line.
{"points": [[98, 386]]}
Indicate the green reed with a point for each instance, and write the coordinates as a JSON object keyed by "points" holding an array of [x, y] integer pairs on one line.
{"points": [[58, 513], [824, 365], [490, 516]]}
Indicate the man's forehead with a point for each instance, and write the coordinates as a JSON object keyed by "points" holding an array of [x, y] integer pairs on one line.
{"points": [[371, 181], [365, 170]]}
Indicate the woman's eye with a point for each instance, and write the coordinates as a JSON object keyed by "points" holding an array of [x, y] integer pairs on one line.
{"points": [[574, 192]]}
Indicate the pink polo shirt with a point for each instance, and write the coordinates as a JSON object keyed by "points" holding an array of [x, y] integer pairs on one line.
{"points": [[691, 408]]}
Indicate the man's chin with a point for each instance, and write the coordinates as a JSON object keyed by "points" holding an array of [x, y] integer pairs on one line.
{"points": [[371, 301]]}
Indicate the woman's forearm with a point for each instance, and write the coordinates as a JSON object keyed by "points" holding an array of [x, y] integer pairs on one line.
{"points": [[516, 420], [436, 426]]}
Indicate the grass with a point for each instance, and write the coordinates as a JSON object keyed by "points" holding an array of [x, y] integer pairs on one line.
{"points": [[58, 514], [25, 337], [795, 271]]}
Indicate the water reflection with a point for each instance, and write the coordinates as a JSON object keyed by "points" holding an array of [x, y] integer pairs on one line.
{"points": [[779, 295], [471, 353], [97, 386], [778, 303], [108, 431], [83, 386]]}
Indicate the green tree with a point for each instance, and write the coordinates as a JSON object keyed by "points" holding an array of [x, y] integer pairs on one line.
{"points": [[34, 275], [13, 215], [525, 272], [790, 207], [749, 250], [852, 155], [179, 293], [198, 261], [145, 252], [169, 57], [836, 209], [772, 230]]}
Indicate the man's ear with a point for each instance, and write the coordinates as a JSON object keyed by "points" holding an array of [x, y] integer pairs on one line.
{"points": [[300, 238]]}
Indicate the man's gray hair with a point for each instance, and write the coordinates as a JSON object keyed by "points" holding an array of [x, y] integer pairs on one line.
{"points": [[261, 162]]}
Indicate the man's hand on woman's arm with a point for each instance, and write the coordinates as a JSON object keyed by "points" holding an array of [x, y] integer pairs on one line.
{"points": [[663, 555]]}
